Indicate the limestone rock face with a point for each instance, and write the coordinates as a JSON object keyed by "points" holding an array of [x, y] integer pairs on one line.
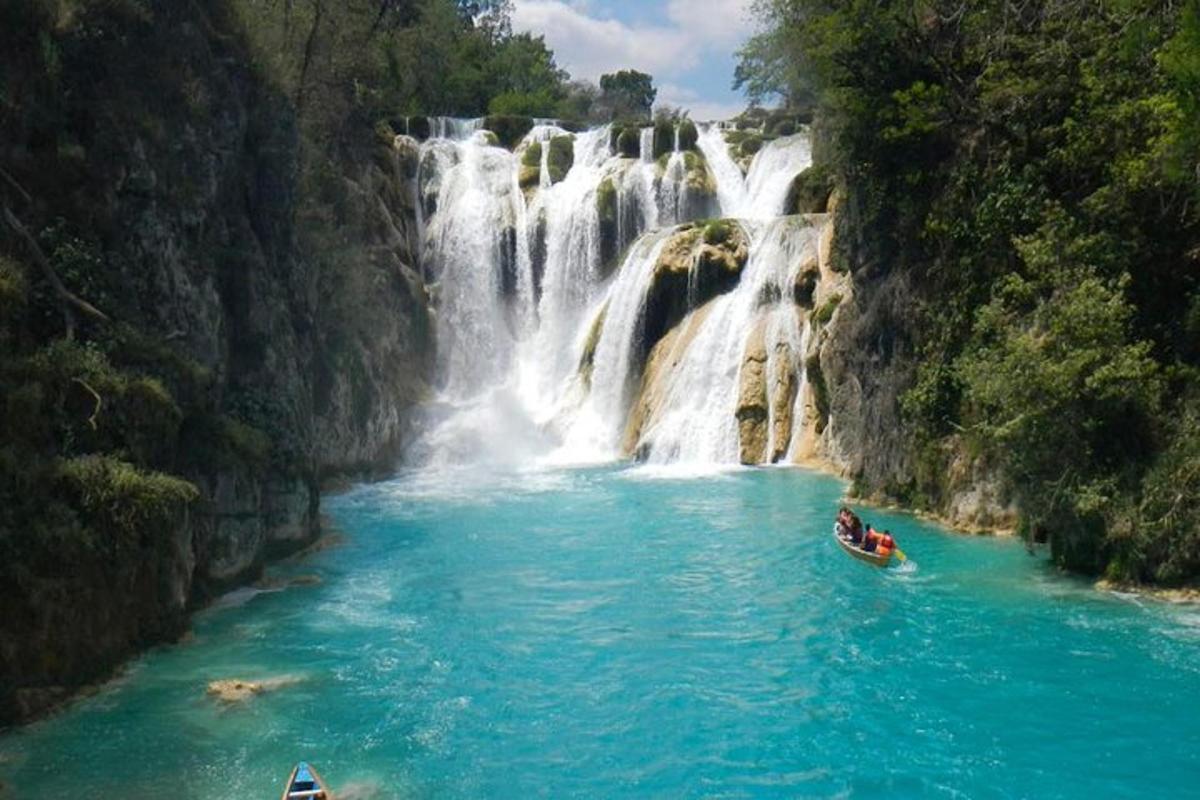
{"points": [[693, 268], [311, 322], [752, 409], [783, 387], [656, 381], [587, 360]]}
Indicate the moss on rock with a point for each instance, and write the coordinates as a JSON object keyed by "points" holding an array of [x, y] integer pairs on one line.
{"points": [[561, 157], [532, 157], [700, 179], [587, 358], [825, 312], [690, 272], [629, 143], [607, 208], [820, 390]]}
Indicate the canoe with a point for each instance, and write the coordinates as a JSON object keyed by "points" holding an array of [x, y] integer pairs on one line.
{"points": [[305, 784], [862, 555]]}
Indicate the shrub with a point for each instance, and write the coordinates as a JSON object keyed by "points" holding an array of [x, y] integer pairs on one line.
{"points": [[718, 231], [532, 156], [509, 129], [664, 138], [688, 135], [125, 505], [825, 312]]}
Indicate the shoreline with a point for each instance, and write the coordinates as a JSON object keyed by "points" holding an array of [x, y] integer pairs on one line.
{"points": [[1175, 596]]}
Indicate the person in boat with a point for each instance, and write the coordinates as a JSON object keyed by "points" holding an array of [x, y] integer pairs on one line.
{"points": [[842, 526], [881, 544], [870, 539], [856, 530]]}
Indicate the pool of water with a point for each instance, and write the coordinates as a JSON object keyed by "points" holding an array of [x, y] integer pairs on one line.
{"points": [[625, 633]]}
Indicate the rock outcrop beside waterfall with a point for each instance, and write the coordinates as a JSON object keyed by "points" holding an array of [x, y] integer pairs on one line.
{"points": [[866, 359], [285, 323]]}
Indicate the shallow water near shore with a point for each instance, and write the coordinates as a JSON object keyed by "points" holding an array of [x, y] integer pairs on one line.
{"points": [[622, 632]]}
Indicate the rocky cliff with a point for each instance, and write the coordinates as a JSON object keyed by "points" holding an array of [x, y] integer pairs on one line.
{"points": [[270, 305]]}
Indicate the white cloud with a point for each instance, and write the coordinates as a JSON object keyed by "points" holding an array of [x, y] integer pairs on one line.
{"points": [[713, 22], [701, 110], [587, 47]]}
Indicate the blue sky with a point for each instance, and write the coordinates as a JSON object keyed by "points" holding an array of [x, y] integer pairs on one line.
{"points": [[687, 45]]}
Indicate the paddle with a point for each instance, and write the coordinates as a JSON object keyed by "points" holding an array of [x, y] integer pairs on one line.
{"points": [[900, 554]]}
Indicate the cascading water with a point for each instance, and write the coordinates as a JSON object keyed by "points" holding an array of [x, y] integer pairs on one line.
{"points": [[542, 325]]}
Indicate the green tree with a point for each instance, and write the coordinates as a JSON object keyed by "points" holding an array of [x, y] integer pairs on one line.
{"points": [[628, 94]]}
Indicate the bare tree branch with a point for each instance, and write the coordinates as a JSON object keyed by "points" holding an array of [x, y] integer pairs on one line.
{"points": [[67, 299]]}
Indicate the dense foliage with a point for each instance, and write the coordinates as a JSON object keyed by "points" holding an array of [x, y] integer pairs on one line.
{"points": [[1034, 168]]}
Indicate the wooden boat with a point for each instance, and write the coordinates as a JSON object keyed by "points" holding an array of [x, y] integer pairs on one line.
{"points": [[860, 554], [305, 784]]}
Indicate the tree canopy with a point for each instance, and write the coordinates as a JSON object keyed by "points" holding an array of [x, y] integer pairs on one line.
{"points": [[628, 94]]}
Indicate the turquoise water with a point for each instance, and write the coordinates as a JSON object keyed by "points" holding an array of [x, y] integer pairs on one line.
{"points": [[617, 633]]}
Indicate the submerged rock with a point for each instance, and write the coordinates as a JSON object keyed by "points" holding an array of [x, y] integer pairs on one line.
{"points": [[235, 691]]}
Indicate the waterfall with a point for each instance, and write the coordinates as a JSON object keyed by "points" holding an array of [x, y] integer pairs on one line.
{"points": [[697, 421], [541, 278]]}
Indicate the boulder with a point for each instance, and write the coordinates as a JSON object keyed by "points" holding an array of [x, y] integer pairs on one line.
{"points": [[655, 385], [700, 179], [810, 191], [529, 177]]}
